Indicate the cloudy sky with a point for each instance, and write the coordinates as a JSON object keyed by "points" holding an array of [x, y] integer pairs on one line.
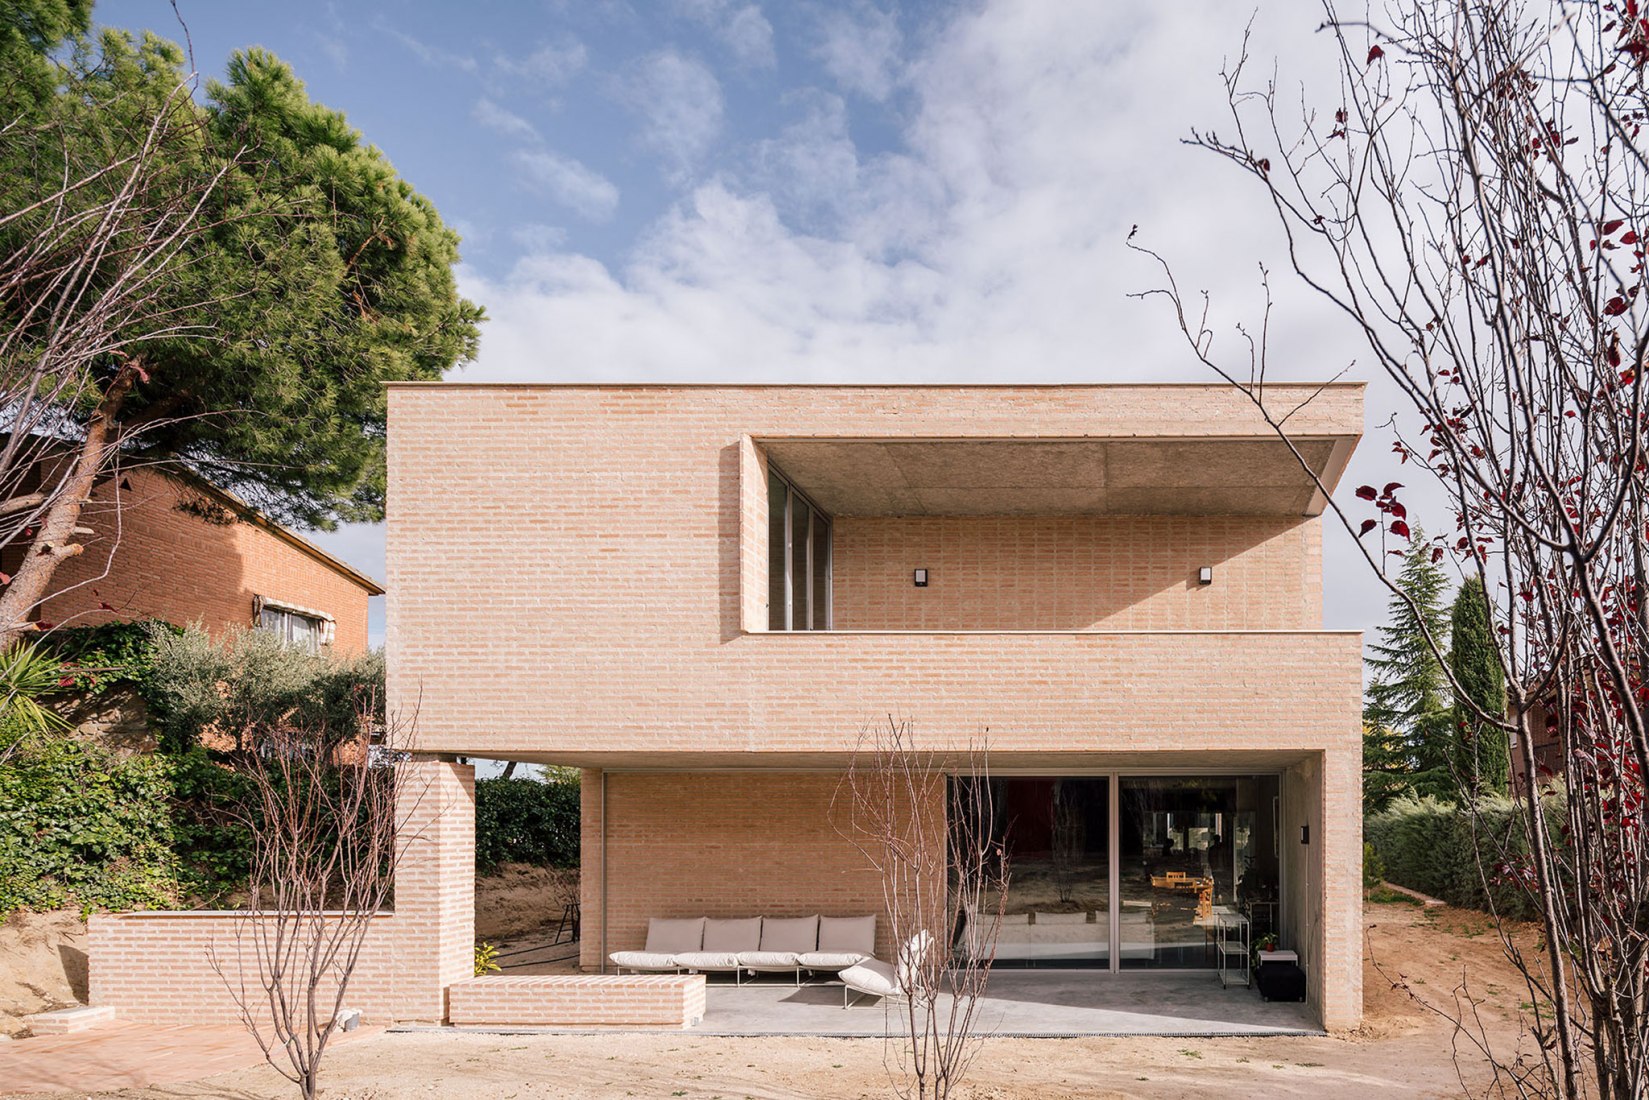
{"points": [[722, 190]]}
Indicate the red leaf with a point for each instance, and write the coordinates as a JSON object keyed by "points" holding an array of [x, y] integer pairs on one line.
{"points": [[1368, 525], [44, 625], [1340, 116], [1391, 487], [1615, 306], [1629, 237], [1366, 492], [1399, 528], [1396, 509], [1436, 554], [1613, 224], [1375, 53], [1265, 166], [105, 607]]}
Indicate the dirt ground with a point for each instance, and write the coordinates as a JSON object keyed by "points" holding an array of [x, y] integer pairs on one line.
{"points": [[1403, 1049]]}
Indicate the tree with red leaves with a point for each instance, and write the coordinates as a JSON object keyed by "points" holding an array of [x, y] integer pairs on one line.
{"points": [[1474, 204]]}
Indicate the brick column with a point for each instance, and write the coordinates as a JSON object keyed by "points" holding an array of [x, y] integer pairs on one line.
{"points": [[434, 922], [1342, 889]]}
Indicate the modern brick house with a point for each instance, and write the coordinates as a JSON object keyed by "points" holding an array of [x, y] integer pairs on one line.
{"points": [[185, 551], [701, 595]]}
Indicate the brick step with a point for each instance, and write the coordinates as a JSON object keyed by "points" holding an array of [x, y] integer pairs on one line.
{"points": [[578, 1000], [66, 1021]]}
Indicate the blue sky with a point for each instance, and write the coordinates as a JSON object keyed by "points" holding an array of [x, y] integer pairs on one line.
{"points": [[860, 190]]}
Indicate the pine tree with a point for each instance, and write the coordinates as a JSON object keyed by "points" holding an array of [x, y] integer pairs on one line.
{"points": [[1482, 756], [1406, 711]]}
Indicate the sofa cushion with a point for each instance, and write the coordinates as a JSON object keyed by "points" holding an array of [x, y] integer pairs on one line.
{"points": [[768, 960], [707, 960], [790, 934], [831, 960], [848, 935], [733, 935], [666, 937], [643, 960], [875, 978]]}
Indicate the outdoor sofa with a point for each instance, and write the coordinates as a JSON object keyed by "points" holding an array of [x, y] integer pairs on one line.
{"points": [[758, 944]]}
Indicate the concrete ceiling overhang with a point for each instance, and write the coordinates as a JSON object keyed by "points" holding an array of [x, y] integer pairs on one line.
{"points": [[882, 477]]}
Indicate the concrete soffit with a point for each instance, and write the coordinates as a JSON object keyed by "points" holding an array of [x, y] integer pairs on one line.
{"points": [[1160, 476]]}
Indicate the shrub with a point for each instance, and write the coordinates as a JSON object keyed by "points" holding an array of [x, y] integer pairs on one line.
{"points": [[527, 821], [1437, 848], [80, 825], [250, 679], [1374, 868]]}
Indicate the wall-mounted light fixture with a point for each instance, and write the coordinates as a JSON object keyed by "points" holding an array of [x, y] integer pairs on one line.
{"points": [[1205, 575], [1305, 834], [921, 578]]}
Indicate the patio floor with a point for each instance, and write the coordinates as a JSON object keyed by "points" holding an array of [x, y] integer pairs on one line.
{"points": [[1019, 1003]]}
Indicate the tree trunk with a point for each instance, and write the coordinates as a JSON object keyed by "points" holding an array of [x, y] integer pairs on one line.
{"points": [[55, 540]]}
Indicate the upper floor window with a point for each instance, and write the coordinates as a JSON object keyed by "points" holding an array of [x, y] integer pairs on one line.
{"points": [[296, 626], [798, 558]]}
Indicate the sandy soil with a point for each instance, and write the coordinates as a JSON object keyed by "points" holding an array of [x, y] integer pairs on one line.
{"points": [[1402, 1050], [518, 899], [42, 965]]}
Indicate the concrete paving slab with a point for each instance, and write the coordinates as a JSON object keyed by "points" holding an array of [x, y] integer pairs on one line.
{"points": [[1040, 1003]]}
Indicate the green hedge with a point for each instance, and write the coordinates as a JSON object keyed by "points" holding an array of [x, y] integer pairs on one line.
{"points": [[527, 821], [80, 825], [1433, 847]]}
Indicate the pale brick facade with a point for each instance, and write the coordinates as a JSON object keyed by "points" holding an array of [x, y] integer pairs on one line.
{"points": [[611, 545], [186, 553]]}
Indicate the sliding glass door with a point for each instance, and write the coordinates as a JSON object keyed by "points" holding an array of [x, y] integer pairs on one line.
{"points": [[1056, 833], [1133, 872]]}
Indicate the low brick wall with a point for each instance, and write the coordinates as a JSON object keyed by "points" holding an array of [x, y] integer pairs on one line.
{"points": [[579, 1000], [157, 967]]}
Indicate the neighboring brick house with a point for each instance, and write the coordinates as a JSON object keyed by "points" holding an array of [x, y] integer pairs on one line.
{"points": [[179, 549], [701, 595]]}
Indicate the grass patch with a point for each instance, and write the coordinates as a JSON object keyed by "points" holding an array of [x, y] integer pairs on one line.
{"points": [[1385, 895]]}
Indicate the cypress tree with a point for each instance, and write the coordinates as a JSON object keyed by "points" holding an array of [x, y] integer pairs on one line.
{"points": [[1406, 713], [1482, 756]]}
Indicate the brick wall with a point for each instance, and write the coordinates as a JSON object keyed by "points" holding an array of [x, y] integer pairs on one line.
{"points": [[158, 967], [181, 567], [721, 844], [1076, 573], [591, 1000]]}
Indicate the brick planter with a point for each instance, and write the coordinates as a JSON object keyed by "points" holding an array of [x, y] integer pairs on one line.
{"points": [[579, 1000]]}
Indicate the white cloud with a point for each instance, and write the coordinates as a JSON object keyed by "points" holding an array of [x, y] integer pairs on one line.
{"points": [[680, 102], [506, 122], [740, 27], [859, 45], [538, 237], [434, 56], [568, 182], [550, 65]]}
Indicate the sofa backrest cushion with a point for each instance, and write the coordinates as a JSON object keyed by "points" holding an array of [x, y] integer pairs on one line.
{"points": [[733, 935], [667, 937], [795, 934], [848, 935]]}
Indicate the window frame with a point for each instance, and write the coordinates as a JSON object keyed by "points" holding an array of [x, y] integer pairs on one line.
{"points": [[817, 518]]}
